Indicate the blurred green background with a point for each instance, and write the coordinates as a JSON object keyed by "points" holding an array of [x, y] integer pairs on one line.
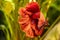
{"points": [[10, 29]]}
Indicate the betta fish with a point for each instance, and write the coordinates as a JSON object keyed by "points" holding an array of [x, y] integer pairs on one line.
{"points": [[32, 20]]}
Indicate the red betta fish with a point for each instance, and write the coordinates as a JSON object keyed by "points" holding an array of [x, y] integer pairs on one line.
{"points": [[32, 21]]}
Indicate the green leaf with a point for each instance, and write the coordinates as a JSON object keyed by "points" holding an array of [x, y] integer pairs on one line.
{"points": [[6, 32]]}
